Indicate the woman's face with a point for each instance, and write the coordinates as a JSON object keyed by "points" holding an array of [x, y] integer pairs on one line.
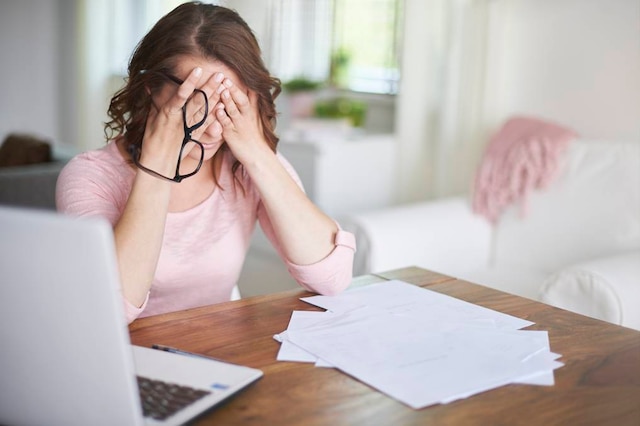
{"points": [[212, 137]]}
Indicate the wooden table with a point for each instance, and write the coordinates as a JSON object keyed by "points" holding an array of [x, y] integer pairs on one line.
{"points": [[599, 384]]}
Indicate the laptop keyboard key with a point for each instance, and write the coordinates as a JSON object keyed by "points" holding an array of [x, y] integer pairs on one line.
{"points": [[161, 400]]}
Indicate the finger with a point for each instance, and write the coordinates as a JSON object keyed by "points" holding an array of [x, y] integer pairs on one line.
{"points": [[212, 87], [199, 105], [185, 89], [238, 96], [215, 129], [211, 125], [222, 117], [229, 105]]}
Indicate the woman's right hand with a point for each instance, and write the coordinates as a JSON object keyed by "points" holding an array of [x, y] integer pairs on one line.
{"points": [[164, 129]]}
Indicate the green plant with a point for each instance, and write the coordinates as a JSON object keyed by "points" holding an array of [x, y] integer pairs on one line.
{"points": [[354, 111], [339, 68], [300, 84]]}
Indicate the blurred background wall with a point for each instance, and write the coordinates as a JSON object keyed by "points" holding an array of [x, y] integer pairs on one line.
{"points": [[466, 65]]}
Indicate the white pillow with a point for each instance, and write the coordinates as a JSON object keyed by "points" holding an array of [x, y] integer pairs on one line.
{"points": [[591, 210], [606, 288]]}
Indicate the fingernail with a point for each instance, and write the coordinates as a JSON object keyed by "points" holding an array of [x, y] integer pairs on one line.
{"points": [[228, 83], [219, 105], [219, 77], [219, 89], [225, 94], [198, 71]]}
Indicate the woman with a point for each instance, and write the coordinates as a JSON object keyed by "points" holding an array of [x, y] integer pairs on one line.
{"points": [[191, 165]]}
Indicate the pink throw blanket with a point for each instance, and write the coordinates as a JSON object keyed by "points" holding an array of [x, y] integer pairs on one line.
{"points": [[522, 156]]}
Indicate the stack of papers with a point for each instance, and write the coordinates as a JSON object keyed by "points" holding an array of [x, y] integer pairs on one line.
{"points": [[416, 345]]}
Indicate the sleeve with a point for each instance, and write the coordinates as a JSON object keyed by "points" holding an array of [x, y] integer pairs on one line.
{"points": [[131, 312], [330, 275], [85, 188]]}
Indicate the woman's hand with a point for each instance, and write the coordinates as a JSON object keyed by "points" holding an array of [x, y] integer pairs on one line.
{"points": [[304, 234], [237, 113], [164, 130]]}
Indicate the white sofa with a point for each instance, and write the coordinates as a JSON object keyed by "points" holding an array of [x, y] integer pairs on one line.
{"points": [[577, 246]]}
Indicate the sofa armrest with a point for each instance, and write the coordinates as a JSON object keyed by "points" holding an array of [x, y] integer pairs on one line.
{"points": [[442, 235], [606, 288]]}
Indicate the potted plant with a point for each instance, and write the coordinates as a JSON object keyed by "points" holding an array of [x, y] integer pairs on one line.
{"points": [[301, 84], [301, 93], [342, 108]]}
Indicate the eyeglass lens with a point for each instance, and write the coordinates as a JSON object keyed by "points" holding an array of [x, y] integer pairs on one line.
{"points": [[195, 110], [190, 168], [194, 114]]}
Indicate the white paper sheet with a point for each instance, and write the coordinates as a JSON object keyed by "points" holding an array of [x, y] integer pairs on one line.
{"points": [[289, 351], [419, 303], [418, 346]]}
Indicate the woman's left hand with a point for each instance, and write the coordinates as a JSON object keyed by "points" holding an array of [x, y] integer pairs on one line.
{"points": [[237, 113], [305, 235]]}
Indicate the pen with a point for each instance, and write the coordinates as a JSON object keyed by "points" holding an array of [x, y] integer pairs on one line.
{"points": [[181, 352]]}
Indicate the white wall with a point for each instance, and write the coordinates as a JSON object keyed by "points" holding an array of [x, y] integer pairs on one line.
{"points": [[39, 72], [29, 71], [576, 61]]}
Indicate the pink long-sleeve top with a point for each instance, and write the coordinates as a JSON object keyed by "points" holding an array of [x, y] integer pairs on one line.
{"points": [[203, 248]]}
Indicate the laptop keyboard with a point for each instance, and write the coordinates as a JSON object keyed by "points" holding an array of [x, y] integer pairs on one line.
{"points": [[161, 400]]}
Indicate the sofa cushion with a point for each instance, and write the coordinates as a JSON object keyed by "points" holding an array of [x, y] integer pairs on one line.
{"points": [[443, 236], [592, 210], [521, 281], [607, 288]]}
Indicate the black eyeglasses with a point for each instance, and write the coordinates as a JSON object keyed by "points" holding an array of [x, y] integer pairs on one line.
{"points": [[194, 114]]}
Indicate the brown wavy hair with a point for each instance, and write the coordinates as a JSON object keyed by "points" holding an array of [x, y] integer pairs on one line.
{"points": [[194, 29]]}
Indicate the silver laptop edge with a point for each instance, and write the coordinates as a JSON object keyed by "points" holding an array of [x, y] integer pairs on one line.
{"points": [[67, 357]]}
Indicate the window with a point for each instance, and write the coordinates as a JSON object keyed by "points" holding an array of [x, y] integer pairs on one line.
{"points": [[351, 43], [365, 38]]}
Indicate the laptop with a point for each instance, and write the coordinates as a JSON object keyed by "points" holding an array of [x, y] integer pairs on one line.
{"points": [[66, 357]]}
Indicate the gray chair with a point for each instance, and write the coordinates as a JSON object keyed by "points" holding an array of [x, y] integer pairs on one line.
{"points": [[32, 185]]}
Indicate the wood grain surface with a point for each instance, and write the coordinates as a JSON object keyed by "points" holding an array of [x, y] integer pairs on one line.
{"points": [[599, 384]]}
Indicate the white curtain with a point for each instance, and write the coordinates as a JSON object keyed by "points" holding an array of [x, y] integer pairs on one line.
{"points": [[300, 39], [460, 133], [445, 99]]}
